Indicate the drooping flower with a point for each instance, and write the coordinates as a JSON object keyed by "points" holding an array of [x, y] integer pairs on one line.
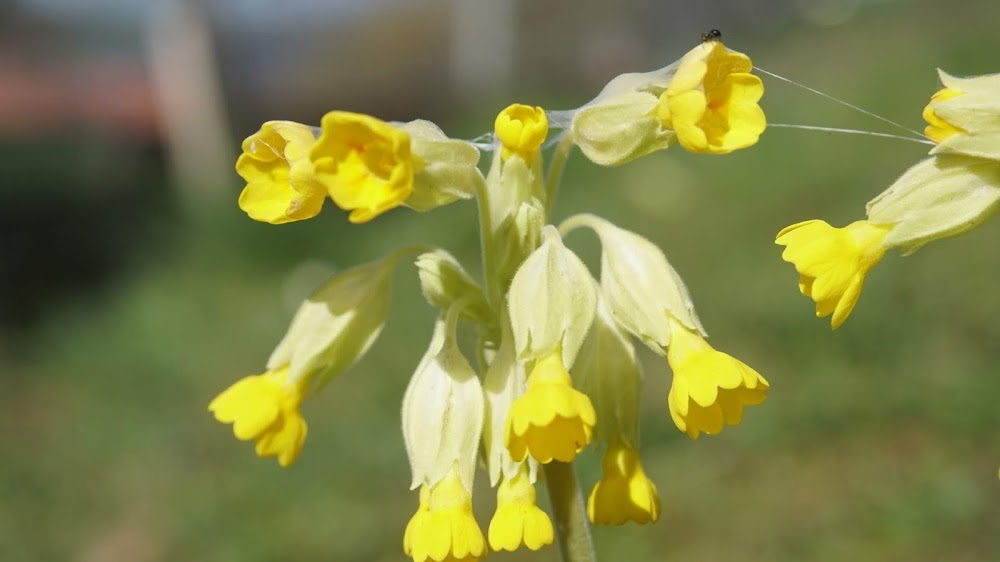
{"points": [[710, 388], [707, 101], [444, 528], [518, 519], [712, 100], [552, 420], [281, 186], [624, 492], [364, 162], [443, 413], [265, 408], [964, 116], [833, 262]]}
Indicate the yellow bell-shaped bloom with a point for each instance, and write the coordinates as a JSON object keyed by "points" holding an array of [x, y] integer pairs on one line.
{"points": [[624, 492], [265, 408], [710, 388], [712, 101], [552, 420], [937, 128], [281, 186], [521, 129], [444, 529], [518, 519], [364, 162], [833, 262]]}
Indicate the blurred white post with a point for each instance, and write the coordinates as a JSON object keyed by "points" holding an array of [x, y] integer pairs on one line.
{"points": [[188, 96], [483, 46]]}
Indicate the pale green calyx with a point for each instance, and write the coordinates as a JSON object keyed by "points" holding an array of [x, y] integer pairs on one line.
{"points": [[335, 326], [516, 212], [607, 371], [938, 197], [504, 383], [444, 282], [443, 411], [621, 123], [551, 301], [638, 283], [445, 169]]}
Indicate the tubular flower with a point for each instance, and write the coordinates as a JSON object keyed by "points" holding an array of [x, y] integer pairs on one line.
{"points": [[364, 162], [552, 420], [938, 129], [521, 130], [711, 102], [265, 408], [518, 519], [964, 116], [444, 528], [281, 186], [832, 262], [710, 388], [624, 492]]}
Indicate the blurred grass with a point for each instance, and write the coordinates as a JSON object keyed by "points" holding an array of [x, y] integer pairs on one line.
{"points": [[878, 442]]}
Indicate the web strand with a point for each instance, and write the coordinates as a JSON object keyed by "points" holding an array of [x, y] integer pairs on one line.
{"points": [[847, 131], [852, 106]]}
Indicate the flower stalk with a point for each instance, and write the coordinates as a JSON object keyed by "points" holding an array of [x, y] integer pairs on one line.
{"points": [[569, 512]]}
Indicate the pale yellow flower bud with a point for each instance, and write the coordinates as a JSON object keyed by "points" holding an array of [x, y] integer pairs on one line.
{"points": [[444, 282]]}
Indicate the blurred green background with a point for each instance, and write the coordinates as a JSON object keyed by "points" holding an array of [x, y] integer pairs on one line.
{"points": [[134, 289]]}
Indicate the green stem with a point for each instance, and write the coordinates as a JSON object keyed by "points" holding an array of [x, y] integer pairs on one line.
{"points": [[556, 167], [570, 513], [486, 245]]}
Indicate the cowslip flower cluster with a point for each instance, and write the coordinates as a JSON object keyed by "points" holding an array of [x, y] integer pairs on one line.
{"points": [[555, 369], [954, 190]]}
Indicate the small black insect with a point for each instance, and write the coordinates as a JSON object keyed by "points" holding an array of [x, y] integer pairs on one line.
{"points": [[713, 35]]}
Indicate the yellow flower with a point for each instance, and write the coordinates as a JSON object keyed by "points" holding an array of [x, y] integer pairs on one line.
{"points": [[265, 408], [710, 388], [552, 420], [518, 519], [711, 102], [281, 186], [937, 128], [624, 492], [364, 162], [444, 528], [521, 130], [832, 262]]}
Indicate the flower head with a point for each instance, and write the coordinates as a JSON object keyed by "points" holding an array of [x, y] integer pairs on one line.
{"points": [[364, 162], [521, 130], [265, 408], [552, 420], [712, 101], [444, 529], [624, 492], [833, 262], [281, 186], [518, 519], [710, 388]]}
